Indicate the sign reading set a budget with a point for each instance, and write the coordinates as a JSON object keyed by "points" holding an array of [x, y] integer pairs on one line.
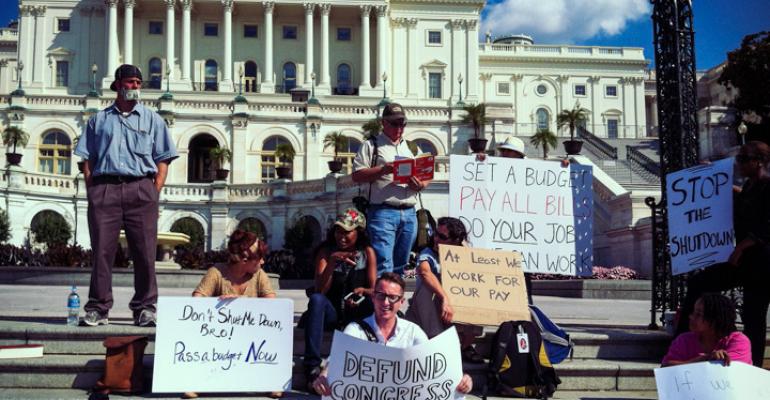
{"points": [[485, 287], [700, 215], [538, 208], [359, 369], [203, 344], [713, 381]]}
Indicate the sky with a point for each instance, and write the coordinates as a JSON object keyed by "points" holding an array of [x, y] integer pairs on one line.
{"points": [[719, 24]]}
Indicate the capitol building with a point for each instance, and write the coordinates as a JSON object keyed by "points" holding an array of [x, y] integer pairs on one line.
{"points": [[252, 75]]}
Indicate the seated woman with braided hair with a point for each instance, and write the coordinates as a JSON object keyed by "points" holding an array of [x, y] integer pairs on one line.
{"points": [[242, 276], [712, 335]]}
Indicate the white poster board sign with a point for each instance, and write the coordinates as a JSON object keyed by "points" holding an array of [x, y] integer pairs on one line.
{"points": [[713, 381], [359, 369], [538, 208], [700, 215], [203, 344]]}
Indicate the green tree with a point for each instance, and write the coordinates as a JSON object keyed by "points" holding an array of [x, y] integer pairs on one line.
{"points": [[193, 229], [545, 139], [5, 226], [285, 153], [16, 136], [748, 70], [221, 155], [476, 117], [254, 226], [337, 141], [371, 128], [51, 228], [571, 118]]}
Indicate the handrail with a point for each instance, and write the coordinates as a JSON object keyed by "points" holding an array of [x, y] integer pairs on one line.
{"points": [[639, 159], [599, 146]]}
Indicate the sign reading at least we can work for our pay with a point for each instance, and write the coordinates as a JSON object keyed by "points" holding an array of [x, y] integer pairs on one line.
{"points": [[540, 209], [700, 215], [203, 344]]}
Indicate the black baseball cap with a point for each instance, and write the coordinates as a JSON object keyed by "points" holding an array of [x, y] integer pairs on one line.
{"points": [[125, 71], [393, 111]]}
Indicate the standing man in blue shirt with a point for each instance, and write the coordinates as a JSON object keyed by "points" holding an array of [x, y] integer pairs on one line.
{"points": [[128, 149]]}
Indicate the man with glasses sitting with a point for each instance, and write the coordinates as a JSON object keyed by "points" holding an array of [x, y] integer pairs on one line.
{"points": [[391, 216], [386, 327]]}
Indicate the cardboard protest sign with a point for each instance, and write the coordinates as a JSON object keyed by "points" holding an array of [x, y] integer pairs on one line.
{"points": [[700, 215], [538, 208], [485, 287], [713, 381], [203, 344], [359, 369]]}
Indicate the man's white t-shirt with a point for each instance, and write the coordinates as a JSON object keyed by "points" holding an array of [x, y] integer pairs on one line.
{"points": [[407, 334]]}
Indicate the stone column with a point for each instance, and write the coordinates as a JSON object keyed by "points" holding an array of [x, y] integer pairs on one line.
{"points": [[399, 75], [128, 31], [268, 81], [412, 37], [226, 85], [40, 64], [654, 112], [639, 109], [186, 6], [169, 38], [457, 43], [112, 39], [25, 43], [472, 60], [324, 78], [516, 78], [594, 80], [365, 56], [382, 43], [309, 64]]}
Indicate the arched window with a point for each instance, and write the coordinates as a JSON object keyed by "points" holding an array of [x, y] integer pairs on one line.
{"points": [[343, 79], [348, 154], [250, 77], [542, 119], [253, 225], [269, 160], [55, 153], [200, 166], [425, 146], [210, 78], [155, 68], [192, 228], [289, 76]]}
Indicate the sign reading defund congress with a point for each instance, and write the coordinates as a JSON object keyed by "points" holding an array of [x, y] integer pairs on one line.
{"points": [[359, 369], [538, 208], [700, 215], [204, 344]]}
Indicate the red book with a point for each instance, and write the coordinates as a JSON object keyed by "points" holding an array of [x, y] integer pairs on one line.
{"points": [[420, 167]]}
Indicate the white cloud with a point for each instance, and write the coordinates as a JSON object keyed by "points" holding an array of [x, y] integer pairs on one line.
{"points": [[562, 21]]}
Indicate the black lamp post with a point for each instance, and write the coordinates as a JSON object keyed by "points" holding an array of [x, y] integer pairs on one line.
{"points": [[239, 98], [19, 91], [742, 130], [312, 99], [385, 101], [460, 102], [167, 95], [93, 92]]}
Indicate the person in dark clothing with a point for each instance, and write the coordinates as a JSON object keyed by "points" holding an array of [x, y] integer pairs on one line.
{"points": [[749, 264]]}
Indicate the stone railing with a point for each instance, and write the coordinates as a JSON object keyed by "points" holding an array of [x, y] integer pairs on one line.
{"points": [[9, 34], [567, 51], [250, 192], [301, 188], [190, 192], [52, 184], [73, 101]]}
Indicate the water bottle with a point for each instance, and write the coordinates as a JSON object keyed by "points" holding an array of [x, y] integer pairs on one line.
{"points": [[73, 307]]}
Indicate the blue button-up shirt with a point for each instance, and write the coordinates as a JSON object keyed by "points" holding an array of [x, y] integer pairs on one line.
{"points": [[129, 145]]}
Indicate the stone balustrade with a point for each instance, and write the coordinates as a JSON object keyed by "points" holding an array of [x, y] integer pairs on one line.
{"points": [[524, 50]]}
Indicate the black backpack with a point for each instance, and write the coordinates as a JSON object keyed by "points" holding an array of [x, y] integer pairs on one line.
{"points": [[515, 374]]}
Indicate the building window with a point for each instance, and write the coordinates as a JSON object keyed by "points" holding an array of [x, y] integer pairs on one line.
{"points": [[269, 160], [250, 77], [611, 91], [211, 83], [612, 128], [62, 73], [289, 76], [434, 38], [290, 32], [62, 24], [542, 119], [503, 88], [55, 154], [425, 146], [200, 166], [210, 29], [250, 31], [434, 85], [155, 68], [156, 28], [541, 89], [344, 79], [348, 153], [580, 90], [344, 34]]}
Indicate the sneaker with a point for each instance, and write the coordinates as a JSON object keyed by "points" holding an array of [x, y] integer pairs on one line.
{"points": [[146, 319], [93, 318]]}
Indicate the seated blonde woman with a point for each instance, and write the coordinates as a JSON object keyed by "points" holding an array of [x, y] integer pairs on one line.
{"points": [[242, 276]]}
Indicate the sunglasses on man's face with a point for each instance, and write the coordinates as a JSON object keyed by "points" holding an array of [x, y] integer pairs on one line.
{"points": [[391, 298], [396, 123]]}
